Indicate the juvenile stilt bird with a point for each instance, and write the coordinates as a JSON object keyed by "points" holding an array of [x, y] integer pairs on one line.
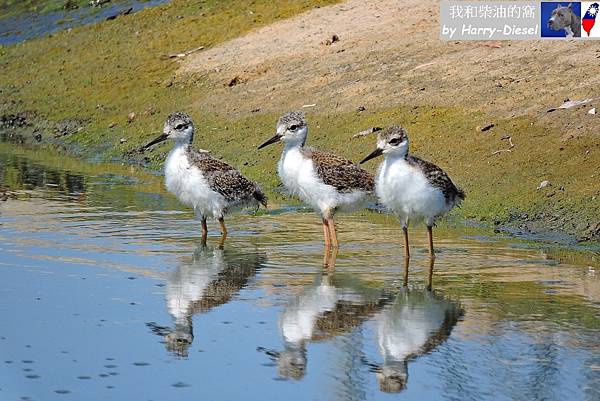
{"points": [[413, 189], [210, 186], [325, 181]]}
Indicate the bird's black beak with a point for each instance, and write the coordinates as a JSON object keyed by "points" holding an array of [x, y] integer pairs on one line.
{"points": [[161, 138], [372, 155], [275, 138]]}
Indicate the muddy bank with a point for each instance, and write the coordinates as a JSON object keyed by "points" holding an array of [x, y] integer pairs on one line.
{"points": [[488, 113], [29, 127], [558, 218]]}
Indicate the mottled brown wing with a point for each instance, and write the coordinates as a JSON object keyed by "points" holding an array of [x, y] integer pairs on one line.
{"points": [[226, 180], [438, 178], [341, 173], [206, 163], [232, 185]]}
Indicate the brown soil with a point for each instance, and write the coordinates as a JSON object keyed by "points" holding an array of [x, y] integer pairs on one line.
{"points": [[389, 53]]}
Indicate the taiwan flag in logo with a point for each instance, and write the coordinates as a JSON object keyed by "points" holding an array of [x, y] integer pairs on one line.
{"points": [[589, 19]]}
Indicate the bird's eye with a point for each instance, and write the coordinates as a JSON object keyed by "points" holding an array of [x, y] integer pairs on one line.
{"points": [[394, 141], [293, 127], [180, 126]]}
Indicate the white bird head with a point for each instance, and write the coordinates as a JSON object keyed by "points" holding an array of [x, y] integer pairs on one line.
{"points": [[391, 141], [178, 127], [291, 129]]}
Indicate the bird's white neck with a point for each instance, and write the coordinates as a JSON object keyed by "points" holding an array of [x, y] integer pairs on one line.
{"points": [[395, 156], [293, 144], [180, 146]]}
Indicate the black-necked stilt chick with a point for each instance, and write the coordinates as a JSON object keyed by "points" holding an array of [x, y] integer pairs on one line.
{"points": [[413, 189], [211, 187], [325, 181]]}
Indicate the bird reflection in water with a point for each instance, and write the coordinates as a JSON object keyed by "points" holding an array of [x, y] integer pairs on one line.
{"points": [[212, 278], [414, 324], [333, 305]]}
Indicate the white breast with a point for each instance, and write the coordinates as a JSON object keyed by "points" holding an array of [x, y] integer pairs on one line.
{"points": [[189, 185], [405, 191], [299, 176]]}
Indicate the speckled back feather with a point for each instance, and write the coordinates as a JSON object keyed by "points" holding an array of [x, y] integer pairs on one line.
{"points": [[438, 178], [340, 173], [226, 180]]}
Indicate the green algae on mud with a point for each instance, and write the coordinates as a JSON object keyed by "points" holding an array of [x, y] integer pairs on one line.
{"points": [[102, 73], [502, 188]]}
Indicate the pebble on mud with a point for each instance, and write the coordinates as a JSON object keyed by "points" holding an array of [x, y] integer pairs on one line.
{"points": [[329, 41], [366, 132], [70, 5], [98, 3], [485, 127], [12, 121], [543, 184], [592, 110], [235, 81]]}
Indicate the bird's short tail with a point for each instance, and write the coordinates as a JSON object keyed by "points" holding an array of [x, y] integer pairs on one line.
{"points": [[459, 197], [260, 197]]}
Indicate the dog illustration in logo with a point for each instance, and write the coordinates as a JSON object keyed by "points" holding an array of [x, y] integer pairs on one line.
{"points": [[563, 17]]}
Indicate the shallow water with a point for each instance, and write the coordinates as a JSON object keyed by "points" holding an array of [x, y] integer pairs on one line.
{"points": [[33, 25], [107, 294]]}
